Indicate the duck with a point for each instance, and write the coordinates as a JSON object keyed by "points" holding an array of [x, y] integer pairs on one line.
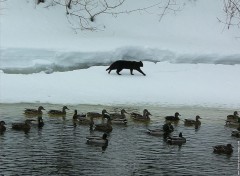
{"points": [[168, 128], [22, 126], [81, 119], [193, 122], [2, 126], [176, 140], [34, 111], [156, 132], [58, 112], [97, 140], [105, 127], [145, 117], [223, 149], [119, 121], [39, 122], [78, 116], [236, 134], [233, 118], [118, 116], [173, 118], [97, 115]]}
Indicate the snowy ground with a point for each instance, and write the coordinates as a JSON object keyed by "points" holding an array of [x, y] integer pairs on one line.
{"points": [[188, 58], [165, 84]]}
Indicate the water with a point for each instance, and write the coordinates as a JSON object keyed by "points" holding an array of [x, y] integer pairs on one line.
{"points": [[60, 149]]}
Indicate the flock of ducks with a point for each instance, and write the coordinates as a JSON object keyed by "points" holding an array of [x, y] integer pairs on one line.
{"points": [[120, 119]]}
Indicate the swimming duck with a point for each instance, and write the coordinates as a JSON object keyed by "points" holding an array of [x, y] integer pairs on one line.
{"points": [[193, 122], [81, 119], [156, 132], [225, 149], [233, 120], [119, 121], [96, 114], [22, 126], [78, 116], [58, 112], [236, 134], [105, 127], [139, 117], [2, 126], [34, 111], [234, 117], [118, 116], [173, 118], [39, 122], [168, 128], [176, 140], [96, 140]]}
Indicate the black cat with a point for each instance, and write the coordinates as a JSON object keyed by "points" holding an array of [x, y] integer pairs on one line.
{"points": [[122, 64]]}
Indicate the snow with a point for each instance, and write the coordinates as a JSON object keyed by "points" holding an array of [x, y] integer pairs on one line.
{"points": [[189, 58]]}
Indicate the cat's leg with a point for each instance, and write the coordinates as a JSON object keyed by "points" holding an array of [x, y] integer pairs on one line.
{"points": [[131, 71], [109, 71], [118, 70], [138, 69]]}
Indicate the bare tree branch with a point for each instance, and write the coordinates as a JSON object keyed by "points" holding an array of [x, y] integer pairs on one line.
{"points": [[232, 13], [86, 11]]}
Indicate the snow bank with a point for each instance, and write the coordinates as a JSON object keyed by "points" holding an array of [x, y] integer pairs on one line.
{"points": [[27, 61]]}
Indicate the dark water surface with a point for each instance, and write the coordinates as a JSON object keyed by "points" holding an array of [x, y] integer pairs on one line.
{"points": [[60, 149]]}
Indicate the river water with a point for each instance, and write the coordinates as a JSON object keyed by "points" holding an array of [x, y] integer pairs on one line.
{"points": [[59, 148]]}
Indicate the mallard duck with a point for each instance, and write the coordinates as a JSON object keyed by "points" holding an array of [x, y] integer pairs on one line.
{"points": [[232, 118], [119, 121], [145, 117], [58, 112], [78, 116], [236, 134], [96, 140], [193, 122], [224, 149], [105, 127], [2, 126], [22, 126], [156, 132], [168, 128], [34, 111], [176, 140], [118, 116], [39, 122], [173, 118], [97, 115], [81, 119]]}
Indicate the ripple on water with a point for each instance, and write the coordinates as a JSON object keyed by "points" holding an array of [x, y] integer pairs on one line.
{"points": [[59, 148]]}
